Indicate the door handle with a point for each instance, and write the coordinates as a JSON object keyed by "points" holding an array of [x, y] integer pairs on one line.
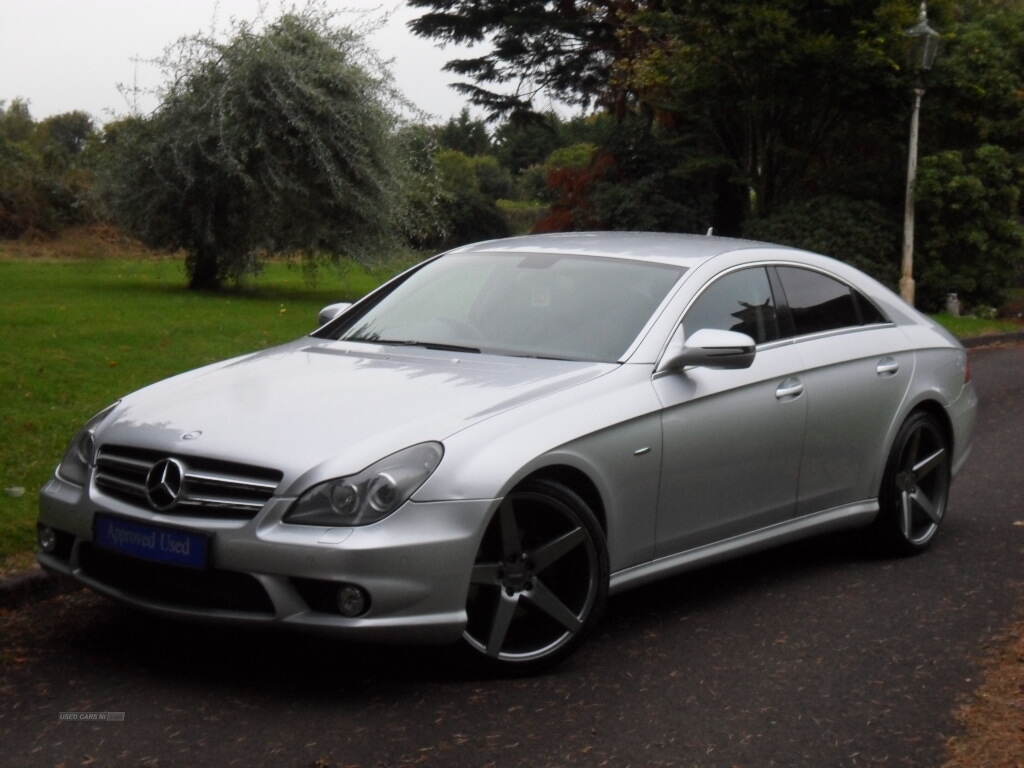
{"points": [[789, 389], [887, 366]]}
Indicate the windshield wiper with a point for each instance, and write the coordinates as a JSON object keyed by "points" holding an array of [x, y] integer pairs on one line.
{"points": [[410, 343], [549, 357]]}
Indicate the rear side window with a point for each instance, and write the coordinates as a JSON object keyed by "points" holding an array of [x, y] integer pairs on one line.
{"points": [[741, 301], [869, 313], [818, 303]]}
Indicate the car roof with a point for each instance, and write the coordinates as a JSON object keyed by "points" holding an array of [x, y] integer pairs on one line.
{"points": [[664, 247]]}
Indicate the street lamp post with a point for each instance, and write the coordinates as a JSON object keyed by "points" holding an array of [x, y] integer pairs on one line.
{"points": [[925, 47]]}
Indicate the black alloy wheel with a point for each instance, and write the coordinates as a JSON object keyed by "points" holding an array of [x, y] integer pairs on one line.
{"points": [[915, 488], [540, 580]]}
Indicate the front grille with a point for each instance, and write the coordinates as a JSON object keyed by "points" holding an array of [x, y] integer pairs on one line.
{"points": [[210, 487], [174, 586]]}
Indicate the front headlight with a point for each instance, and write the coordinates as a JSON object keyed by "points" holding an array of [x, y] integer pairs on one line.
{"points": [[79, 457], [370, 495]]}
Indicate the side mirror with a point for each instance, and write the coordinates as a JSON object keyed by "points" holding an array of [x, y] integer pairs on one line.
{"points": [[710, 348], [331, 311]]}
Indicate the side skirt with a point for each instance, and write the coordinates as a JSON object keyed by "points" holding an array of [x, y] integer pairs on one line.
{"points": [[847, 516]]}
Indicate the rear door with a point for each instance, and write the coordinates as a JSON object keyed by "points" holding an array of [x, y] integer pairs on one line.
{"points": [[856, 373]]}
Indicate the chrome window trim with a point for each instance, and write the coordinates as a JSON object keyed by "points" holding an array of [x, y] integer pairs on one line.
{"points": [[774, 343], [846, 329]]}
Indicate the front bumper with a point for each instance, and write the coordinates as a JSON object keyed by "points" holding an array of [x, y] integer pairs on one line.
{"points": [[415, 565]]}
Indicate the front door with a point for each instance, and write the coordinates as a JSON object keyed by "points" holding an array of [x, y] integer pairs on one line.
{"points": [[732, 438]]}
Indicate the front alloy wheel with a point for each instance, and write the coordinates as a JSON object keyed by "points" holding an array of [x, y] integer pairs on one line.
{"points": [[915, 489], [540, 579]]}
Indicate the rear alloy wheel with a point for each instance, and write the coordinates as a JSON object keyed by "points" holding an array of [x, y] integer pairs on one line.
{"points": [[540, 580], [915, 489]]}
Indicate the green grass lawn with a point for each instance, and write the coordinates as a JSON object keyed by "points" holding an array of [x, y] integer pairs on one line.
{"points": [[76, 335], [966, 327]]}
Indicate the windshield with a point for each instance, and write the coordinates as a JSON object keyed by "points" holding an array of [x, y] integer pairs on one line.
{"points": [[532, 305]]}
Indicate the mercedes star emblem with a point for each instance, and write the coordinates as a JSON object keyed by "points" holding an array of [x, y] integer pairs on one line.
{"points": [[164, 482]]}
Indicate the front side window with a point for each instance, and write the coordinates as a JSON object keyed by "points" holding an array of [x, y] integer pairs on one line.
{"points": [[820, 303], [531, 305], [740, 301]]}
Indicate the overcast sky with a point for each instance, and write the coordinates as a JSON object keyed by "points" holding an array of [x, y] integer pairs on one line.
{"points": [[71, 54]]}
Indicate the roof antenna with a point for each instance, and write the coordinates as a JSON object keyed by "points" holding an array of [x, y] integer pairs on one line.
{"points": [[710, 232]]}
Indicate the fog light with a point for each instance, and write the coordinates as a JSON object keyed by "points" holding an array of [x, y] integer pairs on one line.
{"points": [[352, 600], [47, 538]]}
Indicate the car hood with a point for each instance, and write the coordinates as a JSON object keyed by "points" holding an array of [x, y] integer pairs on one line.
{"points": [[330, 408]]}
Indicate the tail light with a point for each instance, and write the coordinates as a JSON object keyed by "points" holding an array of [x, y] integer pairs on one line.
{"points": [[967, 369]]}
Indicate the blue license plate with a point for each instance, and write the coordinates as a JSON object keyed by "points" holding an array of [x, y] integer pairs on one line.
{"points": [[156, 543]]}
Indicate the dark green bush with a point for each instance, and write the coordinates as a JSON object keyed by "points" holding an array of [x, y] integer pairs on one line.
{"points": [[641, 179], [45, 176], [859, 232], [471, 186], [970, 238], [522, 215]]}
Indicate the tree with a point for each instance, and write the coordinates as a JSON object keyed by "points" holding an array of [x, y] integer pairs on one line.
{"points": [[426, 202], [523, 140], [564, 48], [471, 185], [465, 134], [768, 87], [16, 123], [975, 91], [68, 132], [45, 179], [641, 178], [859, 232], [773, 87], [275, 139], [972, 240]]}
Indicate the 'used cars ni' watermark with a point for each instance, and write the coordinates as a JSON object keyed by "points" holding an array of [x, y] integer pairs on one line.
{"points": [[110, 717]]}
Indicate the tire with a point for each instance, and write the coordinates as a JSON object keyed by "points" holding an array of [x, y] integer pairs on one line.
{"points": [[540, 580], [914, 494]]}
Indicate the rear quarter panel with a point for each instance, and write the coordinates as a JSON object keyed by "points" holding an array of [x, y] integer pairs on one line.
{"points": [[939, 377]]}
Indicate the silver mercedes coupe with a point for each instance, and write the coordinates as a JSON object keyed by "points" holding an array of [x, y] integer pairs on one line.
{"points": [[486, 446]]}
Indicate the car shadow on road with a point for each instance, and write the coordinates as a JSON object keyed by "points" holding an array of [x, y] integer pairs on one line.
{"points": [[315, 666], [778, 568]]}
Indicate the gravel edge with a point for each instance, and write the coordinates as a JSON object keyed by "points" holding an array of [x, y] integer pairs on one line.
{"points": [[992, 338], [19, 589]]}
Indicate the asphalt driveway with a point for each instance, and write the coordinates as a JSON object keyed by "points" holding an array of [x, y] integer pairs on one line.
{"points": [[816, 654]]}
